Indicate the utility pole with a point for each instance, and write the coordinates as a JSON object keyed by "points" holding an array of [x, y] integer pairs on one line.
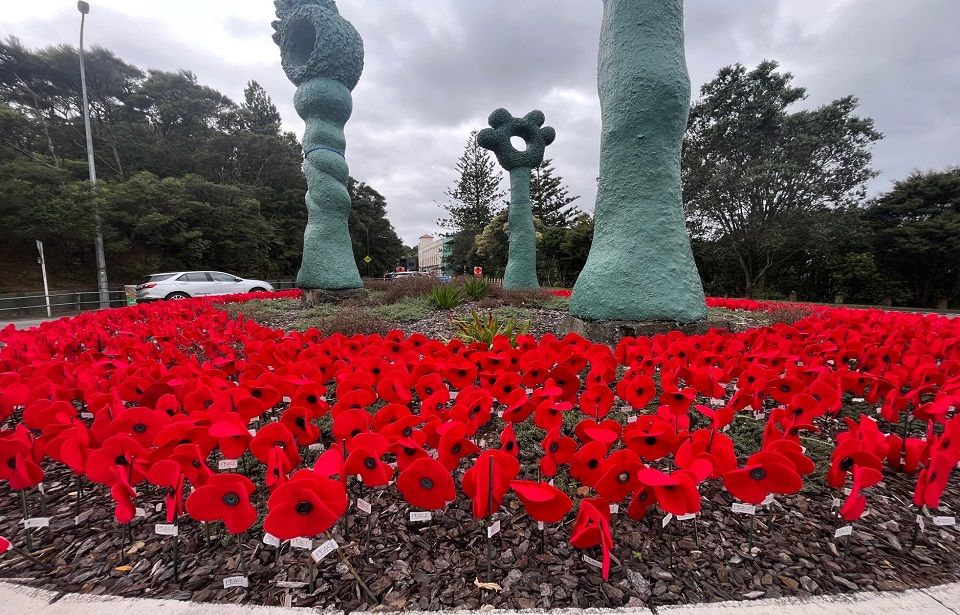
{"points": [[102, 286], [43, 270]]}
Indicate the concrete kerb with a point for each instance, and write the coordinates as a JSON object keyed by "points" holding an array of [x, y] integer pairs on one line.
{"points": [[22, 600]]}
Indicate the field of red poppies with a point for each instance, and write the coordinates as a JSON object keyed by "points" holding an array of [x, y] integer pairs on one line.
{"points": [[169, 450]]}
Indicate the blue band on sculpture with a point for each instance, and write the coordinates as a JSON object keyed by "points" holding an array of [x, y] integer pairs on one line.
{"points": [[326, 149]]}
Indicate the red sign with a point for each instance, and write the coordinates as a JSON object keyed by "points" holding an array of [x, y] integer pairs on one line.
{"points": [[401, 269], [478, 272]]}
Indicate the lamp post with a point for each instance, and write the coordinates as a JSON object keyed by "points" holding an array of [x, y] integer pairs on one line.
{"points": [[102, 287]]}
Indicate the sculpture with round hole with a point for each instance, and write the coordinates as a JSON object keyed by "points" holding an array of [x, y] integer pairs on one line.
{"points": [[521, 271]]}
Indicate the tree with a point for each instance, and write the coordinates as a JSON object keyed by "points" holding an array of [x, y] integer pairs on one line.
{"points": [[754, 170], [917, 227], [261, 114], [551, 200], [368, 222]]}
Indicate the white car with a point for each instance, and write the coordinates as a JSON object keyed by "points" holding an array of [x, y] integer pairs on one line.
{"points": [[186, 284]]}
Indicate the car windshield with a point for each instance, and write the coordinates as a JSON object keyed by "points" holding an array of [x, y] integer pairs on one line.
{"points": [[159, 277]]}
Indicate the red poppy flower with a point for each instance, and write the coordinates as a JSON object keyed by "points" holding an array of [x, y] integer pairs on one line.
{"points": [[406, 451], [298, 420], [795, 453], [765, 473], [427, 484], [365, 460], [543, 501], [711, 445], [124, 497], [587, 463], [460, 373], [166, 473], [637, 389], [508, 441], [305, 506], [454, 445], [226, 498], [679, 401], [558, 449], [932, 481], [607, 431], [193, 463], [845, 456], [312, 396], [650, 437], [719, 418], [619, 475], [643, 498], [232, 435], [276, 436], [472, 408], [783, 389], [677, 492], [4, 545], [488, 480], [17, 466], [119, 457], [350, 423], [549, 413], [592, 529], [519, 407], [856, 504], [596, 401]]}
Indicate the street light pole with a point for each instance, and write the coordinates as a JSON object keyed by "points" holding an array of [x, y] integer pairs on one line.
{"points": [[102, 287]]}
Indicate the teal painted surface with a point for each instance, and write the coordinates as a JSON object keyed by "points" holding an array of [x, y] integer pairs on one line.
{"points": [[641, 265], [521, 271], [322, 54]]}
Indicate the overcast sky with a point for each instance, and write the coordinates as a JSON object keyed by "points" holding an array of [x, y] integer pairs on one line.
{"points": [[435, 69]]}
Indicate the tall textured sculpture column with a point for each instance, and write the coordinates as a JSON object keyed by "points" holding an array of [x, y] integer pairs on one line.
{"points": [[521, 269], [322, 54], [640, 266]]}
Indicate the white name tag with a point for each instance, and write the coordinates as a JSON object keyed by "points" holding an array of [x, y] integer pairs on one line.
{"points": [[301, 543], [140, 512], [666, 520], [421, 516], [858, 400], [228, 464], [493, 529], [236, 582], [631, 419], [686, 517], [252, 432], [541, 525], [86, 415], [318, 446], [944, 521], [744, 509], [614, 509], [592, 562], [35, 522], [846, 530], [767, 500], [166, 529], [921, 523], [324, 550], [271, 540], [364, 506], [836, 503], [286, 399]]}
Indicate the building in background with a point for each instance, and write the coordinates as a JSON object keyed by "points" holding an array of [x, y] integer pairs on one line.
{"points": [[431, 252]]}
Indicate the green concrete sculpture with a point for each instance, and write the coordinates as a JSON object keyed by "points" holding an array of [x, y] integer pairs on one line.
{"points": [[521, 269], [640, 266], [322, 54]]}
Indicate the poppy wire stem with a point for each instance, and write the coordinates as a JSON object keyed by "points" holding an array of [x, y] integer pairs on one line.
{"points": [[176, 552], [79, 485], [26, 515], [916, 530], [753, 528], [43, 500], [240, 564]]}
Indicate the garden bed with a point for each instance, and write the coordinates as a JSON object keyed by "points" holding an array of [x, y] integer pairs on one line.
{"points": [[386, 561]]}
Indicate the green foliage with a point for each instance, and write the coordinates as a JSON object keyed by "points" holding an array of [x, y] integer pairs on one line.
{"points": [[368, 223], [485, 327], [550, 198], [406, 310], [445, 297], [476, 288]]}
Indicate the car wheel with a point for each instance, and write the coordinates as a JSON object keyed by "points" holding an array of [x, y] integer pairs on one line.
{"points": [[177, 296], [258, 290]]}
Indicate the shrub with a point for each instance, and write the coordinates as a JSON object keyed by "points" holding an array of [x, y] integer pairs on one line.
{"points": [[385, 292], [476, 288], [405, 310], [445, 297], [483, 328]]}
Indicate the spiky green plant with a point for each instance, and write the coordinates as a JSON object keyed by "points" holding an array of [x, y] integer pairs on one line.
{"points": [[445, 297], [476, 288], [485, 327]]}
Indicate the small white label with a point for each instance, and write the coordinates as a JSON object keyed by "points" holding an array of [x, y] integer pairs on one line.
{"points": [[767, 500], [286, 399], [541, 525], [631, 419], [291, 584], [252, 432], [228, 464], [140, 512], [493, 529], [666, 520], [836, 503], [686, 517], [716, 401], [364, 506], [744, 509], [944, 521], [166, 529], [592, 562], [35, 522], [846, 530], [271, 540], [614, 509], [42, 490], [158, 507], [236, 582], [301, 543], [421, 516], [317, 446], [858, 400], [324, 550], [83, 517], [921, 523], [86, 415]]}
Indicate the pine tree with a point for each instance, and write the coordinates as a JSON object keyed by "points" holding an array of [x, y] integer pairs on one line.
{"points": [[262, 114], [552, 203], [475, 198]]}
